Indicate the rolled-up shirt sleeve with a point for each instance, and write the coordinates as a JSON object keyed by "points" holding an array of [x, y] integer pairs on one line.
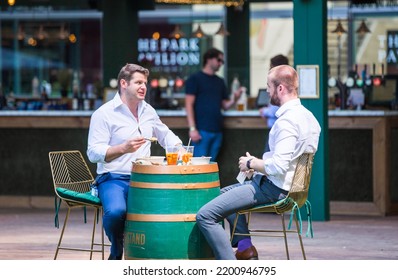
{"points": [[164, 134], [285, 144]]}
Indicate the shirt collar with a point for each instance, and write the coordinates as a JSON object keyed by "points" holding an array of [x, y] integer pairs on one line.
{"points": [[117, 102], [287, 106]]}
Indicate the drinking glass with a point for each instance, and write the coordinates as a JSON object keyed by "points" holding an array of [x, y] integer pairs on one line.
{"points": [[187, 154], [172, 155]]}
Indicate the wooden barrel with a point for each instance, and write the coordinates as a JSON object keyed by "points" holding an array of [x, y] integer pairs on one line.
{"points": [[161, 211]]}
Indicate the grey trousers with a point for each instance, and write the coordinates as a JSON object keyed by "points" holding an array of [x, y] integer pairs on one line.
{"points": [[233, 198]]}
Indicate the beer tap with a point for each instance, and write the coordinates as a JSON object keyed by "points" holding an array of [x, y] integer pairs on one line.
{"points": [[342, 90], [358, 78], [367, 79], [382, 74]]}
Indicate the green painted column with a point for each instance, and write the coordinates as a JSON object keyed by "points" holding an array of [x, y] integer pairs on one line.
{"points": [[238, 45], [120, 35], [310, 19]]}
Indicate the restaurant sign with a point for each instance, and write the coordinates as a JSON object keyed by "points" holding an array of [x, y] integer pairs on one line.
{"points": [[169, 52], [392, 52]]}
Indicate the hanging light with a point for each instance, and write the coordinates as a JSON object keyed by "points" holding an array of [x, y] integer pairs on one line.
{"points": [[222, 31], [72, 38], [20, 34], [32, 41], [156, 35], [198, 33], [363, 28], [339, 29], [63, 33], [41, 34], [177, 32]]}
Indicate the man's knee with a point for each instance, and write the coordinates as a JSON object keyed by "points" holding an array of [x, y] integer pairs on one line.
{"points": [[115, 214], [201, 216]]}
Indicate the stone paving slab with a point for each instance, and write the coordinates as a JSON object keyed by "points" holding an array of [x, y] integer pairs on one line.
{"points": [[29, 234]]}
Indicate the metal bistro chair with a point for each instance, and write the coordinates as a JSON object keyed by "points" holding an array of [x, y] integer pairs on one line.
{"points": [[72, 183], [296, 198]]}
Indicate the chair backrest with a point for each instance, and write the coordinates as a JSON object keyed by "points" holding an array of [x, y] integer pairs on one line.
{"points": [[70, 171], [301, 179]]}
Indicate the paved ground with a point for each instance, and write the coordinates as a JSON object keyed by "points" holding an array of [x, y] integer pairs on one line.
{"points": [[29, 234]]}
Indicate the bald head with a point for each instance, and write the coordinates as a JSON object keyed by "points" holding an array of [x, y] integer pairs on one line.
{"points": [[282, 84], [284, 75]]}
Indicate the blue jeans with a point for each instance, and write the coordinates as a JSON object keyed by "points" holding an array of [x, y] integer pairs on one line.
{"points": [[233, 198], [209, 145], [113, 190]]}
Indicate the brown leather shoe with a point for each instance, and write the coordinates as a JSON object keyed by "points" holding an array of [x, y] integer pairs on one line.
{"points": [[248, 254]]}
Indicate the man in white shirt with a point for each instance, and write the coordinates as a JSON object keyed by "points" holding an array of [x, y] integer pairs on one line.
{"points": [[296, 131], [269, 111], [118, 134]]}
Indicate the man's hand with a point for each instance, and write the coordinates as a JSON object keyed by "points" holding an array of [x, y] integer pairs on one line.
{"points": [[243, 162], [128, 146], [132, 145], [194, 135]]}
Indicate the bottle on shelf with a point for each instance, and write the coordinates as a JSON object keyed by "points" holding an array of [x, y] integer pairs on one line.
{"points": [[235, 85], [35, 87], [242, 101], [86, 102], [75, 101]]}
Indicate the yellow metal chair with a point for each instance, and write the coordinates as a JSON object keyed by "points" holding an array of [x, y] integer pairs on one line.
{"points": [[72, 184], [296, 198]]}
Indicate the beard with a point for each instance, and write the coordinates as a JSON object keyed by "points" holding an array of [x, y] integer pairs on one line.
{"points": [[274, 99]]}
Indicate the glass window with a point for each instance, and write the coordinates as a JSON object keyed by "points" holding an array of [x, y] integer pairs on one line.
{"points": [[169, 47], [43, 53], [271, 33]]}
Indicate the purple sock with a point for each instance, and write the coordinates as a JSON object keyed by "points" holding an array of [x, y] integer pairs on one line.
{"points": [[244, 244]]}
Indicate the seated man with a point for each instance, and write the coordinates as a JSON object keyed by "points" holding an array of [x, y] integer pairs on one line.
{"points": [[296, 131], [118, 135]]}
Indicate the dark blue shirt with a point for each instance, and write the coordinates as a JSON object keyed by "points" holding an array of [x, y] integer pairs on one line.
{"points": [[209, 91]]}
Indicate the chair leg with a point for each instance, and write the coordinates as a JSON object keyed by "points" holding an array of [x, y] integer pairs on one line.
{"points": [[249, 216], [62, 233], [234, 226], [93, 234], [285, 236], [102, 235], [299, 236], [99, 215]]}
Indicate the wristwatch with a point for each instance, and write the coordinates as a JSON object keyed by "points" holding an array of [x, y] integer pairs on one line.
{"points": [[192, 128], [248, 164]]}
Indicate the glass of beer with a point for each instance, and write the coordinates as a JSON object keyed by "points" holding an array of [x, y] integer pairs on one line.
{"points": [[187, 154], [172, 155]]}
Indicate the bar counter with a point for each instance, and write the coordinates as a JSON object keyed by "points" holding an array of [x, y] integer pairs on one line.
{"points": [[81, 119], [363, 152]]}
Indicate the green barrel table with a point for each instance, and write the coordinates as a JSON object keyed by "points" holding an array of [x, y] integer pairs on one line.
{"points": [[161, 211]]}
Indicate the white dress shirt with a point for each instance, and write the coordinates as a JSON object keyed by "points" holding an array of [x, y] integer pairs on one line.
{"points": [[269, 113], [296, 131], [113, 124]]}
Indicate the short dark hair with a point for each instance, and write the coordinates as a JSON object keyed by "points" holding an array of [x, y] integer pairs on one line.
{"points": [[211, 53], [279, 59], [127, 72]]}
